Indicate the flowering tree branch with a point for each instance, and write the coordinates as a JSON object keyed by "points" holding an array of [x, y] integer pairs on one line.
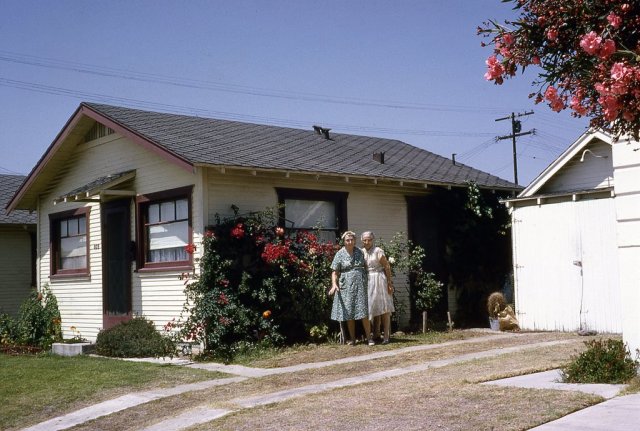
{"points": [[589, 53]]}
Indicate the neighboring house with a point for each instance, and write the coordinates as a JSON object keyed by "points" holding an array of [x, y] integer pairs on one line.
{"points": [[626, 171], [17, 249], [120, 192], [565, 252]]}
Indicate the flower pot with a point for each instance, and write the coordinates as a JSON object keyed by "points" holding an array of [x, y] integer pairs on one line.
{"points": [[494, 324], [71, 349]]}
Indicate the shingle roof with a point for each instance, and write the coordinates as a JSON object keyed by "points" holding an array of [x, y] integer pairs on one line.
{"points": [[8, 186], [230, 143]]}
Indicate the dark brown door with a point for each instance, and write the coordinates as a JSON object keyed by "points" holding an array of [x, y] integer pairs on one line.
{"points": [[116, 262]]}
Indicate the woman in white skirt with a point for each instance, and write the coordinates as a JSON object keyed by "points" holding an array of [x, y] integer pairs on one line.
{"points": [[380, 292]]}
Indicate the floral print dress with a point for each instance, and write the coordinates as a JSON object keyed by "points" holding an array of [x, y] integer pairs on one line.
{"points": [[350, 302]]}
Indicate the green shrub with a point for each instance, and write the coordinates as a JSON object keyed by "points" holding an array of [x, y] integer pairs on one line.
{"points": [[136, 338], [604, 361], [7, 329], [38, 322]]}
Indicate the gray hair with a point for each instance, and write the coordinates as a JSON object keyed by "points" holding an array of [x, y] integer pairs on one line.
{"points": [[347, 234], [367, 233]]}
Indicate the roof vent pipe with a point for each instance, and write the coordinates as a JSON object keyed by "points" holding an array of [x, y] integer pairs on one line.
{"points": [[322, 131], [379, 157]]}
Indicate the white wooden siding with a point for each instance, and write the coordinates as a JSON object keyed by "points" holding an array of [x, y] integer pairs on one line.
{"points": [[80, 299], [552, 290], [626, 159], [378, 208], [15, 268], [595, 171]]}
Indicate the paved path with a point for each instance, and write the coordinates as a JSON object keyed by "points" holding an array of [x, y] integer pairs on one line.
{"points": [[203, 414]]}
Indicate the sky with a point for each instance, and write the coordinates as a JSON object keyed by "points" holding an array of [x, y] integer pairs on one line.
{"points": [[402, 69]]}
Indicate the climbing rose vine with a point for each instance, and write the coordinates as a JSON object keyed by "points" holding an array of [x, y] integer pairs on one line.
{"points": [[589, 53]]}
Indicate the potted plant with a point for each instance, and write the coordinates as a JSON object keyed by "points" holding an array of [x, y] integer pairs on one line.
{"points": [[495, 305]]}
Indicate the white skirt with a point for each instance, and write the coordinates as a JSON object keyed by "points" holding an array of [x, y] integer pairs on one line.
{"points": [[380, 300]]}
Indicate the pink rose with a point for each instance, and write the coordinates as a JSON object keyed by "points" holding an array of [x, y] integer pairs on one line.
{"points": [[552, 34]]}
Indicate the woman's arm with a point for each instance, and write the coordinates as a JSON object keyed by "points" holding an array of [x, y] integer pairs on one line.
{"points": [[387, 271], [334, 283]]}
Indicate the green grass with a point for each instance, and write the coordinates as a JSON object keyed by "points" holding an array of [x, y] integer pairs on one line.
{"points": [[36, 388]]}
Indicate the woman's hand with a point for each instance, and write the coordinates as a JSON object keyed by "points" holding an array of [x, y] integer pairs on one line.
{"points": [[334, 289], [390, 288]]}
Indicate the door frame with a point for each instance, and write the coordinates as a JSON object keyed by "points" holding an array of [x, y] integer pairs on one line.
{"points": [[122, 206]]}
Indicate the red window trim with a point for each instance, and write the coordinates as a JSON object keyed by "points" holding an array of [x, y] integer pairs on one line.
{"points": [[54, 243], [142, 203]]}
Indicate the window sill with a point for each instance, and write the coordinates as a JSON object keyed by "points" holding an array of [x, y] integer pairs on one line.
{"points": [[80, 276], [177, 268]]}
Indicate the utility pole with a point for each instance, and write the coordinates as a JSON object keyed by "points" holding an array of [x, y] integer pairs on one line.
{"points": [[516, 128]]}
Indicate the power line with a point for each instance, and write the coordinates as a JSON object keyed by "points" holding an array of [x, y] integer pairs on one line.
{"points": [[136, 103], [516, 127], [226, 87]]}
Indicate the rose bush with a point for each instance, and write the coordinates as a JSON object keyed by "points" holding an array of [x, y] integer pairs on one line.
{"points": [[589, 53], [257, 284]]}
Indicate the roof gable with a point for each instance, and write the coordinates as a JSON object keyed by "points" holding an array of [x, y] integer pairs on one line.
{"points": [[585, 165]]}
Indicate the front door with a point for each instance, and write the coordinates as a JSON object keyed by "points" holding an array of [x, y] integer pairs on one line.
{"points": [[116, 262]]}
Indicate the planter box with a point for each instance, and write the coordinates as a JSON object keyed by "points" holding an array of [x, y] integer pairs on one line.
{"points": [[73, 349]]}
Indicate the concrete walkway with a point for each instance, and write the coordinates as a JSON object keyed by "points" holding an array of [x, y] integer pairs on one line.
{"points": [[203, 414]]}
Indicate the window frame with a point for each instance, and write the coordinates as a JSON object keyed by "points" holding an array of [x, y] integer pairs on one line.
{"points": [[339, 199], [55, 269], [143, 202]]}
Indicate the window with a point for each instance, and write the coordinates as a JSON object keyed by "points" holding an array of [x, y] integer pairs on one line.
{"points": [[164, 229], [311, 210], [69, 242]]}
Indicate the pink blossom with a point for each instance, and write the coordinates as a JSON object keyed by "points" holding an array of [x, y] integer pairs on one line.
{"points": [[591, 43], [607, 49], [629, 116], [552, 34], [610, 106], [495, 69], [508, 39], [620, 71], [555, 101], [614, 20], [535, 59], [576, 105]]}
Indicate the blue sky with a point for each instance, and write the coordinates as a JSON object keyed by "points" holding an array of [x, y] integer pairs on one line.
{"points": [[409, 70]]}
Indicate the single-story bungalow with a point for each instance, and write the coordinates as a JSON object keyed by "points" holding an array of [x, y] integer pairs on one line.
{"points": [[121, 191], [17, 249]]}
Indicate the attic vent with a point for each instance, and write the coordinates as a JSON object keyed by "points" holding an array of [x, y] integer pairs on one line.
{"points": [[322, 131], [379, 157], [98, 131]]}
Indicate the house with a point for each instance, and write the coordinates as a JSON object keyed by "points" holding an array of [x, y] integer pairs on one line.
{"points": [[626, 171], [121, 191], [17, 249], [565, 246]]}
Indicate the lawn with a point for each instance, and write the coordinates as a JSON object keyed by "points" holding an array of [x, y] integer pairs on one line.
{"points": [[35, 388]]}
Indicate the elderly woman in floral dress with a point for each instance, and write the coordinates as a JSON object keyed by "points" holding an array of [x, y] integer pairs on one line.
{"points": [[349, 287], [380, 286]]}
